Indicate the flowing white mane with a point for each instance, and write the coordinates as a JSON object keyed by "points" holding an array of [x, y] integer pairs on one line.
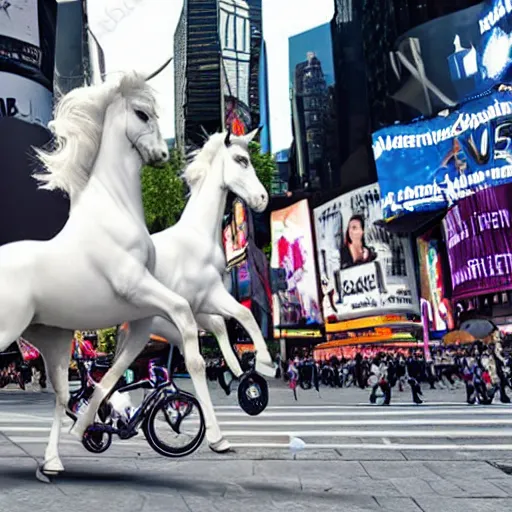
{"points": [[77, 128]]}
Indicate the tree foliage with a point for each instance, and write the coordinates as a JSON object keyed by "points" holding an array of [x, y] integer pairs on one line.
{"points": [[163, 193], [107, 340], [264, 164]]}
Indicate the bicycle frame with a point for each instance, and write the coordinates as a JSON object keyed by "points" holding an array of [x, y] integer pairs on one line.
{"points": [[129, 429]]}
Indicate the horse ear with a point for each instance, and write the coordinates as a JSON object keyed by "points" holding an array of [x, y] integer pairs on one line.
{"points": [[252, 135], [227, 140]]}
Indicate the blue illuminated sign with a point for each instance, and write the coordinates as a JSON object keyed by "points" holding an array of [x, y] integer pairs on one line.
{"points": [[430, 164]]}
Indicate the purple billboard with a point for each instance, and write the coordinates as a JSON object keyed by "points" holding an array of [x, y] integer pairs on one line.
{"points": [[478, 235]]}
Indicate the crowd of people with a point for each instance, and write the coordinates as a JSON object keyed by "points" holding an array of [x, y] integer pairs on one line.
{"points": [[483, 369]]}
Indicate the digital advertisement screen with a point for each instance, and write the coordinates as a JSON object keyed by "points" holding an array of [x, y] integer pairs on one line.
{"points": [[430, 164], [461, 54], [432, 285], [292, 251], [235, 235], [364, 269], [478, 238]]}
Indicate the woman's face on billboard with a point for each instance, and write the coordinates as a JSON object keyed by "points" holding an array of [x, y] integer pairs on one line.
{"points": [[355, 231]]}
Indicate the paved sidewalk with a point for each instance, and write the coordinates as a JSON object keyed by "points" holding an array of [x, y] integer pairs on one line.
{"points": [[130, 478], [209, 482]]}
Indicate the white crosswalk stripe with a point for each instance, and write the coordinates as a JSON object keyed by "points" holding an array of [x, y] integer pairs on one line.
{"points": [[438, 426]]}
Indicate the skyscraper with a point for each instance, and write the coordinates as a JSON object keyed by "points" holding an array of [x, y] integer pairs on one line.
{"points": [[217, 51], [313, 107]]}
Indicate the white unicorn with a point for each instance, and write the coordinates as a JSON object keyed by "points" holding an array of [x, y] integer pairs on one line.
{"points": [[98, 271], [190, 260]]}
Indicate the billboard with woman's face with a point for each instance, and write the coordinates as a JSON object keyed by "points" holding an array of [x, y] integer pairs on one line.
{"points": [[364, 269], [292, 252]]}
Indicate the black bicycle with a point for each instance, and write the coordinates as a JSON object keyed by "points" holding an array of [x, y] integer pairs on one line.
{"points": [[181, 413]]}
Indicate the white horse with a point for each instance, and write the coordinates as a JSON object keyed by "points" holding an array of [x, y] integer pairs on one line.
{"points": [[190, 260], [97, 272]]}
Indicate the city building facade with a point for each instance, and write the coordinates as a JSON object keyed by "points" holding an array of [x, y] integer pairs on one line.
{"points": [[218, 46]]}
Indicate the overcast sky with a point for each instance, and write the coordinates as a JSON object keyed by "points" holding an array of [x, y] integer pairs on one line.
{"points": [[141, 37]]}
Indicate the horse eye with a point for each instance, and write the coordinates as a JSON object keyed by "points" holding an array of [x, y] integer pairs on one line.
{"points": [[242, 160], [142, 116]]}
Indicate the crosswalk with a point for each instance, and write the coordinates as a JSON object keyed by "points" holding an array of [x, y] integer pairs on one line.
{"points": [[433, 426]]}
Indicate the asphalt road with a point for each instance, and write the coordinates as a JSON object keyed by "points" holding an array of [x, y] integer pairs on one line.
{"points": [[357, 457]]}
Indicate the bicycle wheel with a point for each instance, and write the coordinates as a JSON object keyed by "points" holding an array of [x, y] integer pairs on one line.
{"points": [[175, 426]]}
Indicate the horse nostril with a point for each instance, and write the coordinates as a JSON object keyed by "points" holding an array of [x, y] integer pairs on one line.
{"points": [[263, 197], [164, 155]]}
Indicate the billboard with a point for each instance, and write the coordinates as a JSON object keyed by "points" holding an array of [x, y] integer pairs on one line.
{"points": [[461, 54], [364, 269], [292, 251], [478, 237], [432, 286], [430, 164], [27, 39], [311, 69]]}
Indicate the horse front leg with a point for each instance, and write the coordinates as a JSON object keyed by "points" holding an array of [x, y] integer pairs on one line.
{"points": [[197, 369], [54, 345], [222, 303], [216, 325], [146, 293]]}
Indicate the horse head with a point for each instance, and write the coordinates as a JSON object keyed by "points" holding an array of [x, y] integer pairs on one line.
{"points": [[239, 175]]}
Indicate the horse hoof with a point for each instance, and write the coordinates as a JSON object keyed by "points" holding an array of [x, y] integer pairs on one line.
{"points": [[221, 446], [265, 369], [44, 475]]}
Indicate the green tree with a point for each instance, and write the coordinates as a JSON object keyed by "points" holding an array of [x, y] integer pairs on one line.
{"points": [[163, 192], [264, 164], [107, 340]]}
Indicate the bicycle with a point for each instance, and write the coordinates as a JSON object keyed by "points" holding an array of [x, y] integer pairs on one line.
{"points": [[165, 397]]}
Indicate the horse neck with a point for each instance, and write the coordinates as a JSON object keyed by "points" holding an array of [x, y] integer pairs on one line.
{"points": [[205, 208], [116, 171]]}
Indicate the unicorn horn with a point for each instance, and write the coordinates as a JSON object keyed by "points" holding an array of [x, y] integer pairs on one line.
{"points": [[159, 70]]}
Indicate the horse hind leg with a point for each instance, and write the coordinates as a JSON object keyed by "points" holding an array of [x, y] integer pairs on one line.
{"points": [[16, 313], [54, 346]]}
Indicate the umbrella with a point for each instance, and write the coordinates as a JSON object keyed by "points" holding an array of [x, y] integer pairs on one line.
{"points": [[458, 337], [479, 328]]}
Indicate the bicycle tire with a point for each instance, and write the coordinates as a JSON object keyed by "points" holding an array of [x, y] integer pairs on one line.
{"points": [[95, 441], [162, 448]]}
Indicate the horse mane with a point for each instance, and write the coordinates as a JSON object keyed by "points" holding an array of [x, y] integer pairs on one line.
{"points": [[77, 128], [200, 160]]}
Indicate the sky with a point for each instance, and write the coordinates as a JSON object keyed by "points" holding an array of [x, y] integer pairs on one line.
{"points": [[139, 34]]}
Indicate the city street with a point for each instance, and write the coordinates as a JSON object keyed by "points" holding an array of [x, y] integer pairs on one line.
{"points": [[357, 457]]}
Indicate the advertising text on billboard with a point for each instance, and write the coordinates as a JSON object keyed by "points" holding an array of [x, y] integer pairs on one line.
{"points": [[431, 164], [478, 236], [364, 269]]}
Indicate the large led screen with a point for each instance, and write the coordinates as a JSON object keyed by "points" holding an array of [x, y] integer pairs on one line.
{"points": [[430, 164], [292, 251], [478, 237], [459, 55], [364, 269]]}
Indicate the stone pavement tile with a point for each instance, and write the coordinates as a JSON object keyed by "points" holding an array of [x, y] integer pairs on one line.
{"points": [[322, 470], [164, 503], [362, 454], [412, 486], [464, 470], [428, 504], [504, 484], [298, 502], [383, 469], [446, 488], [361, 486], [397, 504], [477, 488]]}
